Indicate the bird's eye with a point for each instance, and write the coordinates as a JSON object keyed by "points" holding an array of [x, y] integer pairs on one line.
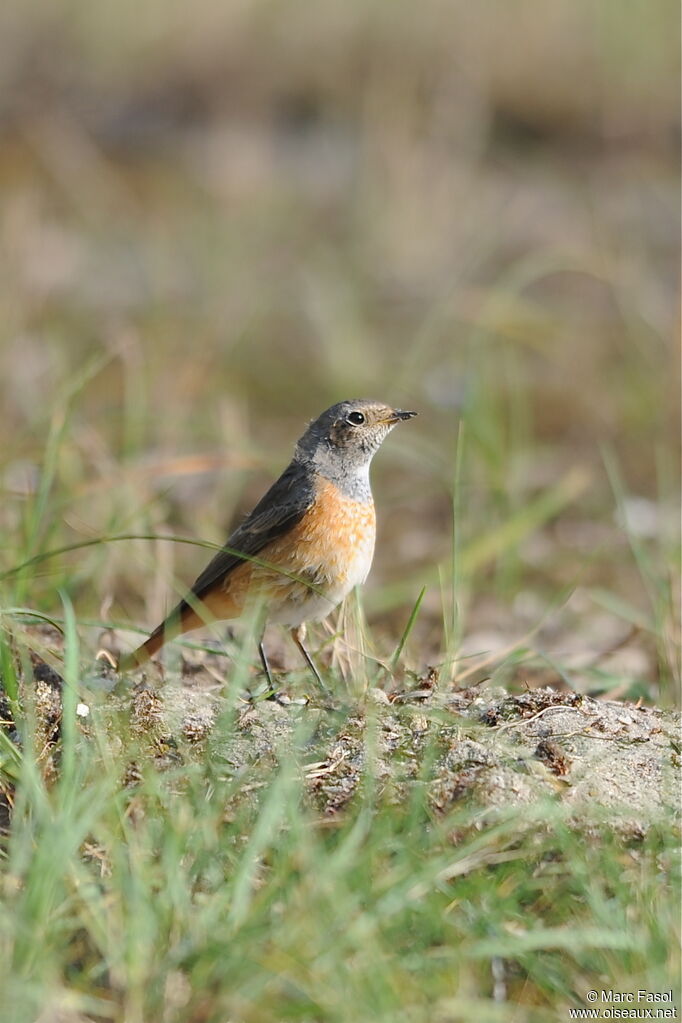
{"points": [[355, 418]]}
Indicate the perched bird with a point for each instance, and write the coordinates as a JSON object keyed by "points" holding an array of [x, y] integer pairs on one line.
{"points": [[307, 542]]}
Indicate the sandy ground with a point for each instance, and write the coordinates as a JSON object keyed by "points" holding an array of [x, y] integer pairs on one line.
{"points": [[612, 763]]}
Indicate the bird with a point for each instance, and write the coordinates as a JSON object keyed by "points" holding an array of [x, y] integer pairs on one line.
{"points": [[307, 543]]}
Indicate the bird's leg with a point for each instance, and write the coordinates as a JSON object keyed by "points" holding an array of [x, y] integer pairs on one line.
{"points": [[266, 664], [283, 699], [298, 636]]}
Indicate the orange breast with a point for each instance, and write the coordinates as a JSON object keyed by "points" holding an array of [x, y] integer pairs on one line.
{"points": [[320, 560], [333, 542]]}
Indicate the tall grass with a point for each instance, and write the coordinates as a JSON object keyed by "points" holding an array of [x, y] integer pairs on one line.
{"points": [[201, 893]]}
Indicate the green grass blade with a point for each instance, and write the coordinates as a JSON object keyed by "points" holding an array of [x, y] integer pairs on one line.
{"points": [[414, 614]]}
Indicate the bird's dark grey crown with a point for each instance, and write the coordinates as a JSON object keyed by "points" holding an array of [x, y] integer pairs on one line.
{"points": [[319, 430]]}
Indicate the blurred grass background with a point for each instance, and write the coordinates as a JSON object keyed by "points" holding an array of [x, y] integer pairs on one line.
{"points": [[214, 224]]}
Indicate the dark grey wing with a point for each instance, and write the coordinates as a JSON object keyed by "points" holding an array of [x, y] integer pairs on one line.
{"points": [[279, 510], [284, 505]]}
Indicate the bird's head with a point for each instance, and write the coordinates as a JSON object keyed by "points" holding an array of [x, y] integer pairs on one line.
{"points": [[350, 432]]}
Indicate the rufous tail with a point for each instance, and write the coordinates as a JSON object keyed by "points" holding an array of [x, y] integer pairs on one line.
{"points": [[182, 619], [136, 658]]}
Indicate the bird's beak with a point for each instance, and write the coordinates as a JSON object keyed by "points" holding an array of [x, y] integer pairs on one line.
{"points": [[397, 415]]}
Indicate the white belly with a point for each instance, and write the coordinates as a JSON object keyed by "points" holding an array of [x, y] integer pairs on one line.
{"points": [[314, 602]]}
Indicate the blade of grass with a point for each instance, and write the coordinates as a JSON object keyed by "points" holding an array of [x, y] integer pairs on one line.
{"points": [[68, 731], [263, 834], [453, 640], [408, 628], [8, 675]]}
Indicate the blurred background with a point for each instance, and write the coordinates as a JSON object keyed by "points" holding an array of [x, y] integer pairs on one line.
{"points": [[217, 220]]}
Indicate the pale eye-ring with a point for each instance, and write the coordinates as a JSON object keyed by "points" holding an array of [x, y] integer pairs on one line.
{"points": [[355, 418]]}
